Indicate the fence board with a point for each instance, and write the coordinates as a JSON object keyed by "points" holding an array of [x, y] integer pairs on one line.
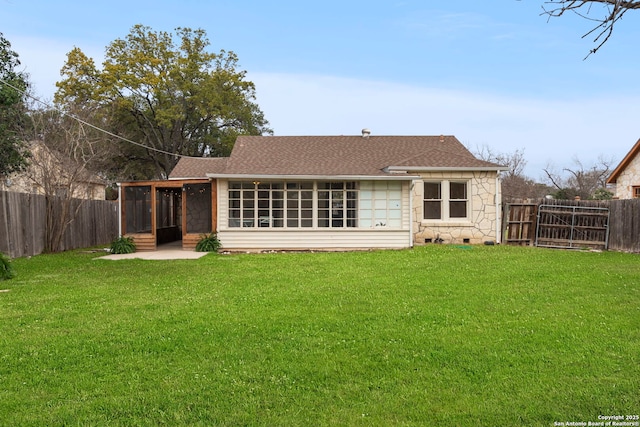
{"points": [[519, 224], [23, 223], [624, 221], [624, 234]]}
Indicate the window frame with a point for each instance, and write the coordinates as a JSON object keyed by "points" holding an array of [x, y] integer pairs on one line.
{"points": [[301, 204], [446, 202]]}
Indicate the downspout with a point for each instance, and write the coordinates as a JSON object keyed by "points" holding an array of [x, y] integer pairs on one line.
{"points": [[119, 209], [498, 197], [411, 218]]}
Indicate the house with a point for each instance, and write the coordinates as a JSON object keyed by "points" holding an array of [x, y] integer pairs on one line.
{"points": [[321, 192], [54, 173], [626, 176]]}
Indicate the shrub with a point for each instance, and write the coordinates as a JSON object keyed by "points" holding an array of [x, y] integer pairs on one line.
{"points": [[6, 270], [208, 243], [123, 245]]}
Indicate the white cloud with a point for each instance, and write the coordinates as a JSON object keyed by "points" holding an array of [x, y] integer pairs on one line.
{"points": [[549, 130], [42, 59]]}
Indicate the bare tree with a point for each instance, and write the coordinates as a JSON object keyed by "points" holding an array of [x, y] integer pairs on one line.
{"points": [[603, 13], [515, 184], [586, 182], [63, 154]]}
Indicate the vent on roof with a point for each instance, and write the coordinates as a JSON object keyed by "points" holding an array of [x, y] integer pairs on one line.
{"points": [[365, 133]]}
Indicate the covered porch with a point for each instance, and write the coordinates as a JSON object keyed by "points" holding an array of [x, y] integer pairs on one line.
{"points": [[159, 212]]}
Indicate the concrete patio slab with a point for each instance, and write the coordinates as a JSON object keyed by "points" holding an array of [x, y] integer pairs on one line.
{"points": [[164, 252]]}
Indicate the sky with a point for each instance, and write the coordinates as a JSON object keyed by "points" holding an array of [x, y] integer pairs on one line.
{"points": [[501, 77]]}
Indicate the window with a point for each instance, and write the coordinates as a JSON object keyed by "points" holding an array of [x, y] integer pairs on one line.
{"points": [[432, 200], [380, 204], [445, 200], [256, 204], [299, 204], [457, 200], [337, 204], [636, 192], [291, 204]]}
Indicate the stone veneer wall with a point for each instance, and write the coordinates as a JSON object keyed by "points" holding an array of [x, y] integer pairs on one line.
{"points": [[484, 221], [627, 179]]}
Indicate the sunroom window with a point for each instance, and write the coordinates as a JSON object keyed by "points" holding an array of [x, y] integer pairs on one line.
{"points": [[337, 204], [255, 204]]}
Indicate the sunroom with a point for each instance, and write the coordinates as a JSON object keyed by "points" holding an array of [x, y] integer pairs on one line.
{"points": [[311, 214]]}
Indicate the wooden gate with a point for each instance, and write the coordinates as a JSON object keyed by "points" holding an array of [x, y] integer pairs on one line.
{"points": [[571, 226], [520, 224]]}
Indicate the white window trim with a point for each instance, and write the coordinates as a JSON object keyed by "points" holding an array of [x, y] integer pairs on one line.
{"points": [[445, 199]]}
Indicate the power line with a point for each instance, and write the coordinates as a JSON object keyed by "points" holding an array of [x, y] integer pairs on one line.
{"points": [[93, 126]]}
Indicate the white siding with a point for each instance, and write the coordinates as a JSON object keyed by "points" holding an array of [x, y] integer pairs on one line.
{"points": [[313, 239]]}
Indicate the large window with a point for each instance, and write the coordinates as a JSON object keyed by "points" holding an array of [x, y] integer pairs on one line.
{"points": [[254, 204], [299, 204], [337, 204], [445, 200], [380, 204]]}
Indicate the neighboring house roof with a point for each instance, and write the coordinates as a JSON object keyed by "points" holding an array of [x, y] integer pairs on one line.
{"points": [[613, 178], [338, 156], [194, 167]]}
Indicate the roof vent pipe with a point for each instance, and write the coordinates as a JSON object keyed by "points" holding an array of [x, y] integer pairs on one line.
{"points": [[366, 133]]}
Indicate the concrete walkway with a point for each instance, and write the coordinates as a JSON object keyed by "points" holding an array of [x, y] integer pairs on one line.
{"points": [[164, 252]]}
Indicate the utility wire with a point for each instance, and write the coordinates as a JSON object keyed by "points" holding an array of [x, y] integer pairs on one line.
{"points": [[93, 126]]}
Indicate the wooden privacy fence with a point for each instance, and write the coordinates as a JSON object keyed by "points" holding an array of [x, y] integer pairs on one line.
{"points": [[601, 224], [23, 219]]}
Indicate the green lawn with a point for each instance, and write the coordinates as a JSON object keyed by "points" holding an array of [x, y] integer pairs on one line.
{"points": [[438, 336]]}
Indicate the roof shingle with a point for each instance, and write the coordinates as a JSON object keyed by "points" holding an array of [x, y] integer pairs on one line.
{"points": [[335, 156], [193, 167]]}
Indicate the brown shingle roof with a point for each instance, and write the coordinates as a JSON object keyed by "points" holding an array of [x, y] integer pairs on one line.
{"points": [[193, 167], [341, 155]]}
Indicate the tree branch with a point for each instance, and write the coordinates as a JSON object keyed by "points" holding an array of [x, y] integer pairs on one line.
{"points": [[614, 11]]}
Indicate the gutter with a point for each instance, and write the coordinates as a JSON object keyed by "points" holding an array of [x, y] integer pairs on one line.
{"points": [[396, 169], [394, 177]]}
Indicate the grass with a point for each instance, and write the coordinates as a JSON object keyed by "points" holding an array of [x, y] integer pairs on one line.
{"points": [[438, 335]]}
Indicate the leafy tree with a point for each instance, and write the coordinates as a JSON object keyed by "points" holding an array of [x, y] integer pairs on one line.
{"points": [[604, 13], [167, 93], [13, 85]]}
